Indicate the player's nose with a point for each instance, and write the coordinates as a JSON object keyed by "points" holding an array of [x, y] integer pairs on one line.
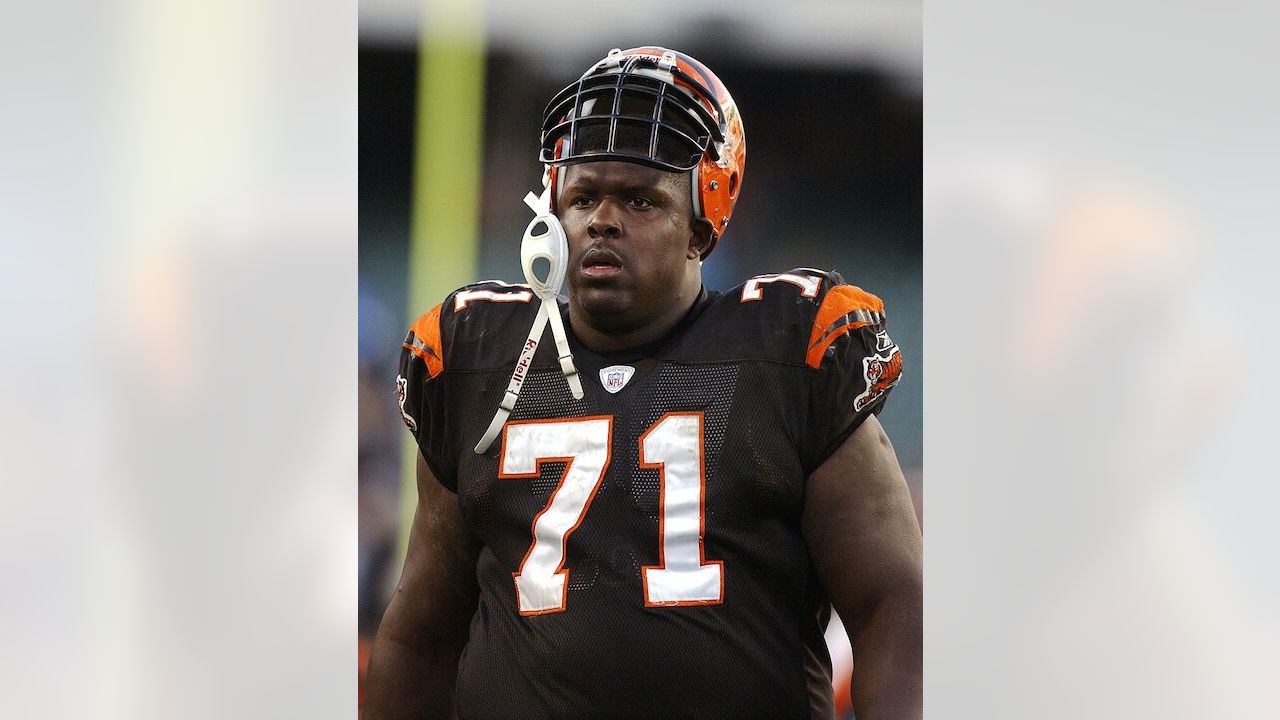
{"points": [[605, 220]]}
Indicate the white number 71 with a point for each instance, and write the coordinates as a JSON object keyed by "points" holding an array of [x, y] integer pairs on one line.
{"points": [[673, 446]]}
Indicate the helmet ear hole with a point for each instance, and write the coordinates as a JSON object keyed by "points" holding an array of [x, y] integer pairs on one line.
{"points": [[733, 185]]}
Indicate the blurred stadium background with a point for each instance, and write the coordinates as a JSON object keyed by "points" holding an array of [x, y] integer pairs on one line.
{"points": [[831, 98]]}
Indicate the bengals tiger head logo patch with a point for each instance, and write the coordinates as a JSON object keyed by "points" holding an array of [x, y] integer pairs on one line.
{"points": [[880, 371]]}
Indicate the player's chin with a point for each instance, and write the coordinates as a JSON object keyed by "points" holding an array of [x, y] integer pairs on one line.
{"points": [[584, 283], [603, 300]]}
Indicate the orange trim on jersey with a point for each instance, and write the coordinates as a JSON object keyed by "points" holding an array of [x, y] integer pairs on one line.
{"points": [[427, 330], [842, 688], [533, 526], [662, 517], [840, 301]]}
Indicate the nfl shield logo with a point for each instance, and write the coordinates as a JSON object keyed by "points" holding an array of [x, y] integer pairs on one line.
{"points": [[615, 377]]}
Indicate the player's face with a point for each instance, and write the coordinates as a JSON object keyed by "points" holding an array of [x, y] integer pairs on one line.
{"points": [[632, 240]]}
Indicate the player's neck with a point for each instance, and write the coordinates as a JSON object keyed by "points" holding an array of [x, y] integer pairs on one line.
{"points": [[597, 339]]}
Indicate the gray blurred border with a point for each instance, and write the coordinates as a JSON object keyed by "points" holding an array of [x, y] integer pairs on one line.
{"points": [[1098, 184]]}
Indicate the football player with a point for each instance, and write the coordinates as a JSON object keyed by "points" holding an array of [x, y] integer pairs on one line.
{"points": [[671, 497]]}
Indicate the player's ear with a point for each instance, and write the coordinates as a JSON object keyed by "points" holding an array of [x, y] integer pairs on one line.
{"points": [[699, 238]]}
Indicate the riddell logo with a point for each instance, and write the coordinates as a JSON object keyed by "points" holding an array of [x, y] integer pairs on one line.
{"points": [[523, 366]]}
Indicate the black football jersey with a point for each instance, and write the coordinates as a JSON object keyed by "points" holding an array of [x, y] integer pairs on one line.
{"points": [[642, 554]]}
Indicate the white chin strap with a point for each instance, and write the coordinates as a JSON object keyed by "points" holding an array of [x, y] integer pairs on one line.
{"points": [[550, 244]]}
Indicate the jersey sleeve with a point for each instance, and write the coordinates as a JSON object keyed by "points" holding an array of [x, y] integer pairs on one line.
{"points": [[478, 328], [420, 392], [854, 362]]}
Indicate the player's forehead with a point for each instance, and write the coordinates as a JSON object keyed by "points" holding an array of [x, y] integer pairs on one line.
{"points": [[617, 174]]}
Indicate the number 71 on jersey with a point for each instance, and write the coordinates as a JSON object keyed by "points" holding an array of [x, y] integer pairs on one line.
{"points": [[672, 446]]}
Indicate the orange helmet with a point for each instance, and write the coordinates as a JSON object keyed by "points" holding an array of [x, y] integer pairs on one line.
{"points": [[656, 107]]}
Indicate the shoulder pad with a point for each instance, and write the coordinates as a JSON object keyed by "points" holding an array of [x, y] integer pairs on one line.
{"points": [[844, 308], [809, 281], [483, 325], [480, 311], [493, 291], [830, 308], [423, 340], [768, 317]]}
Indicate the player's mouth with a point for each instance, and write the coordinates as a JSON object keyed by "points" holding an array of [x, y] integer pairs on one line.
{"points": [[600, 263]]}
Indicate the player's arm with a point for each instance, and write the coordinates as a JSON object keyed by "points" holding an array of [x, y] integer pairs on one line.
{"points": [[413, 667], [865, 542]]}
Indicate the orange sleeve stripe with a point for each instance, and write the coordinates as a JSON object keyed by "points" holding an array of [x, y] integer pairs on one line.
{"points": [[840, 301], [814, 358], [426, 332]]}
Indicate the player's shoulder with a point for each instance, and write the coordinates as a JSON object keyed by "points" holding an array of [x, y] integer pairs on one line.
{"points": [[467, 330], [801, 290], [788, 316], [808, 283], [476, 312]]}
